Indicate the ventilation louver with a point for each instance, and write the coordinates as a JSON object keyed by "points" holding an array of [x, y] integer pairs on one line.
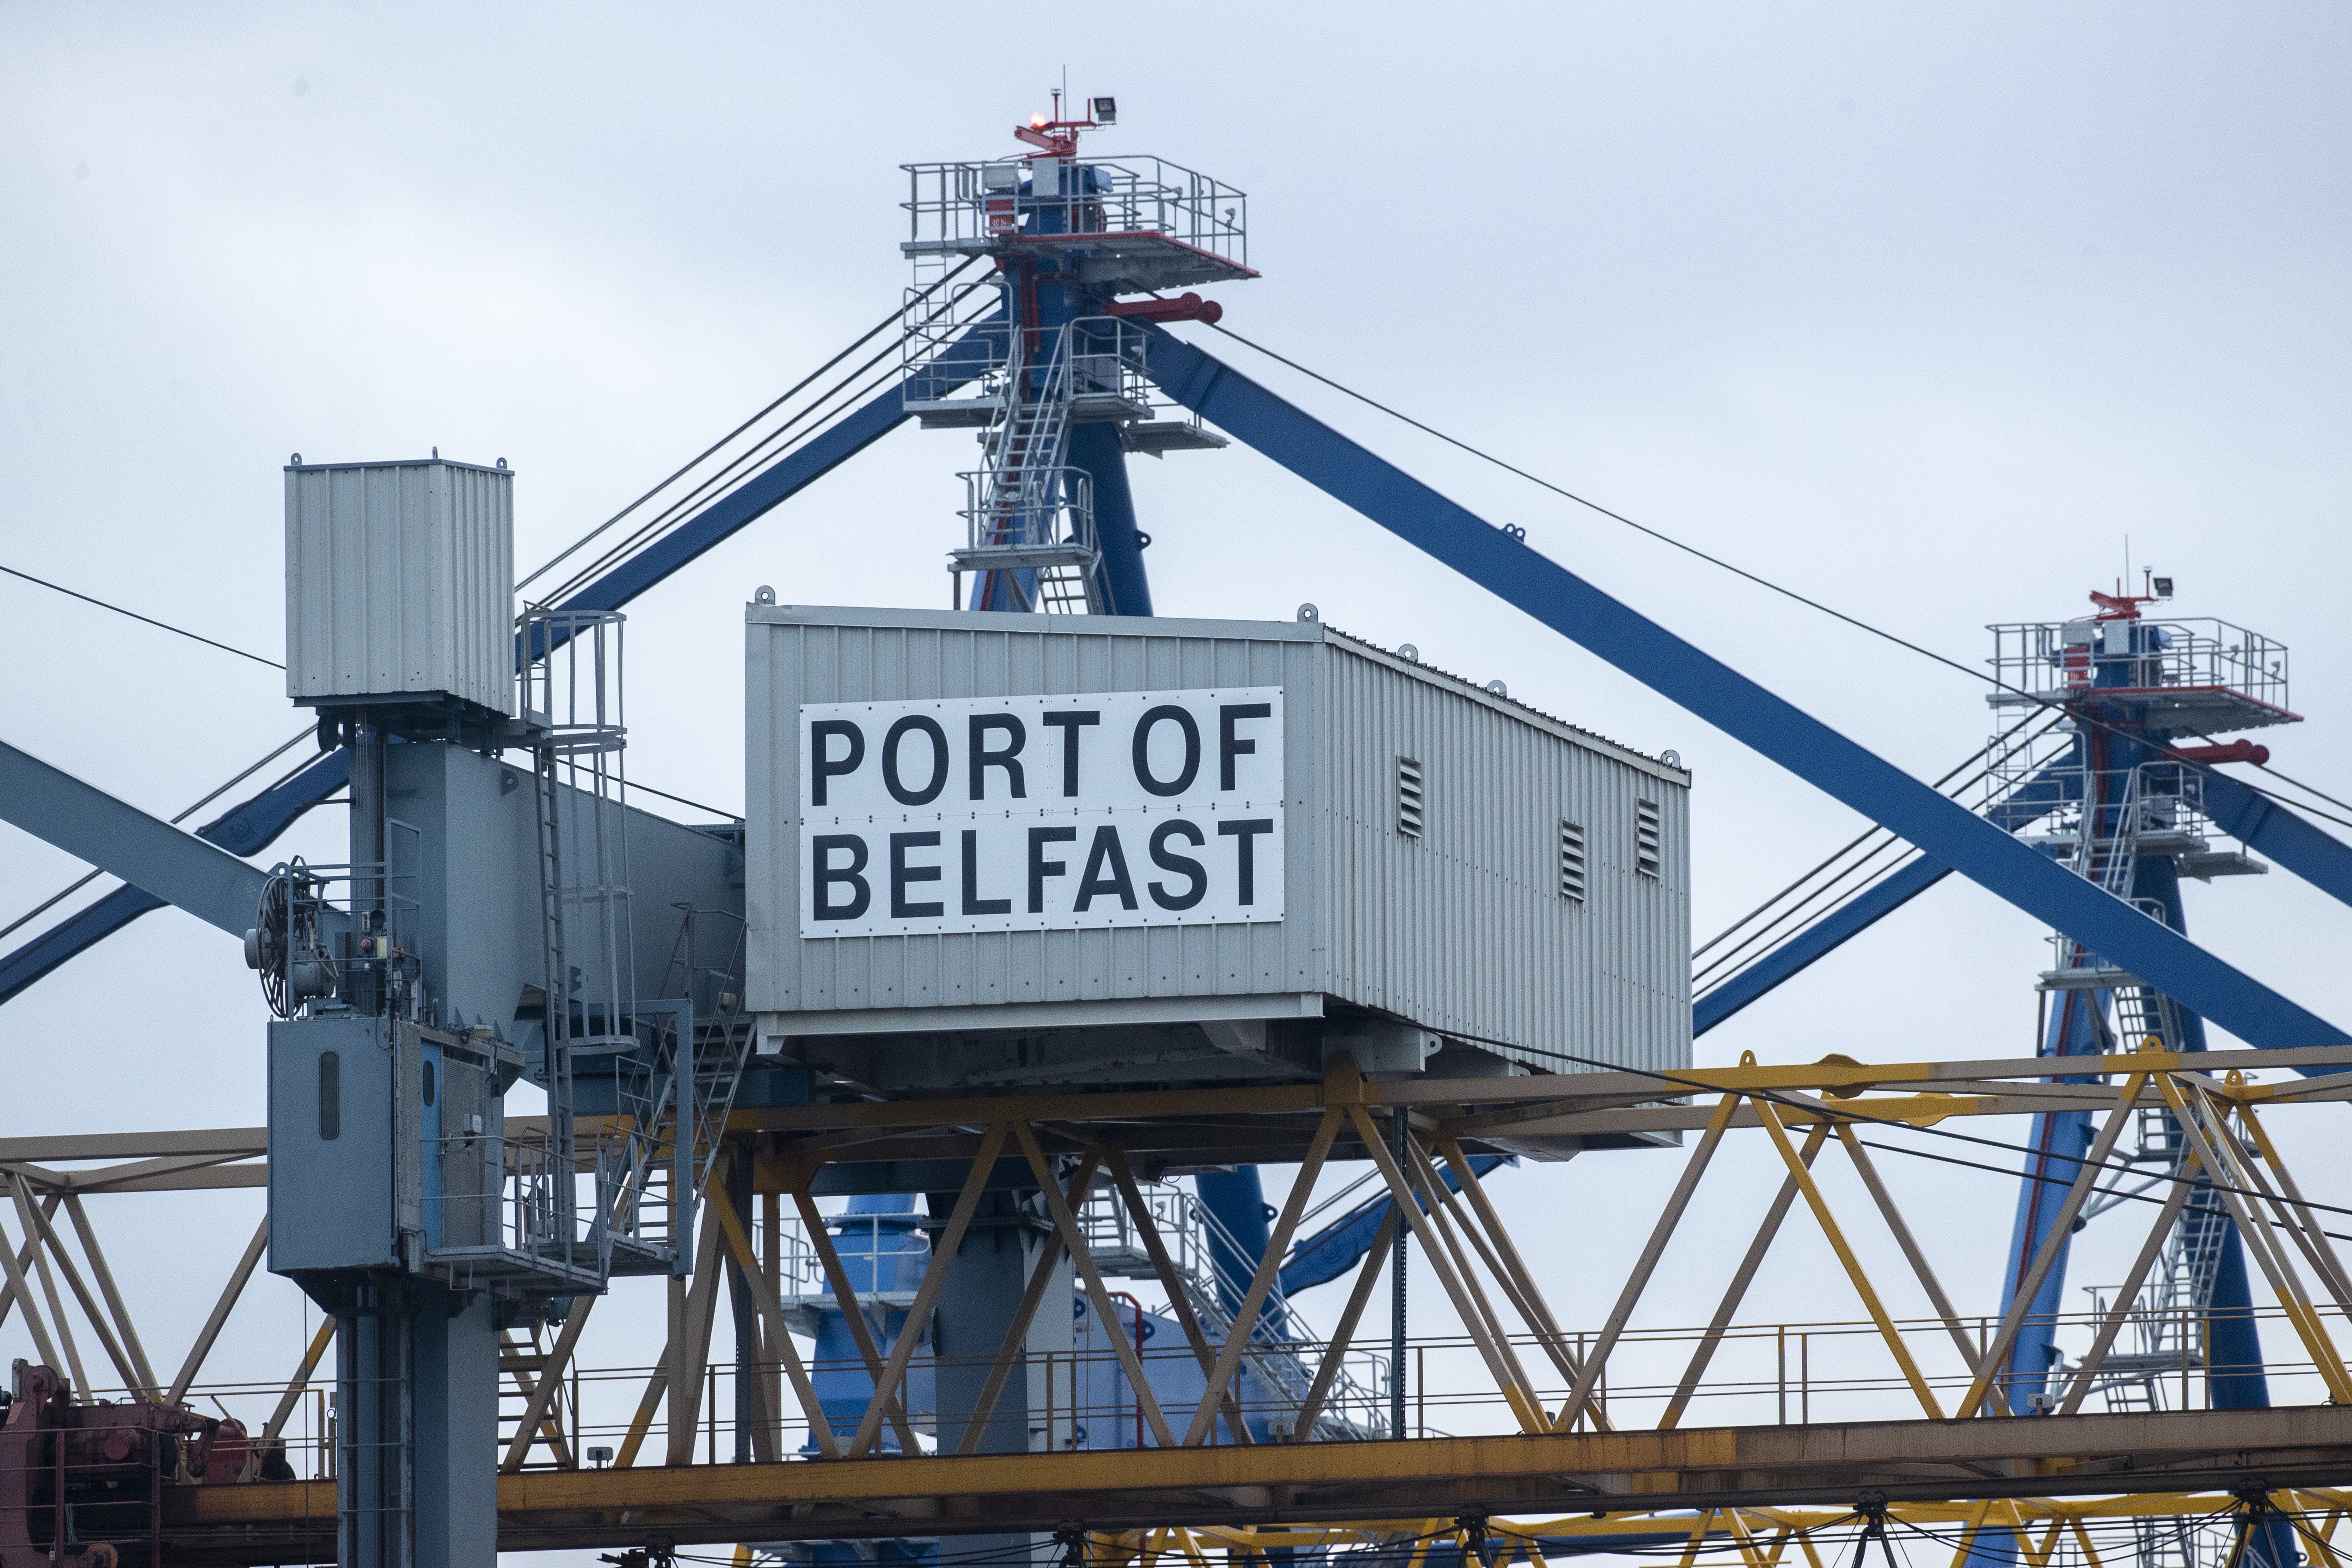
{"points": [[1408, 789]]}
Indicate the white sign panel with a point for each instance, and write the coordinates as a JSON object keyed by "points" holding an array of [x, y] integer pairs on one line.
{"points": [[1112, 808]]}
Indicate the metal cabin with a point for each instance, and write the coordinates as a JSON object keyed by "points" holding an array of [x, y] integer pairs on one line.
{"points": [[996, 849]]}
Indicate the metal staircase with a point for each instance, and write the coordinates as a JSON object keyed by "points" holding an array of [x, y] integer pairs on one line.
{"points": [[1028, 515], [1282, 1348], [700, 1041]]}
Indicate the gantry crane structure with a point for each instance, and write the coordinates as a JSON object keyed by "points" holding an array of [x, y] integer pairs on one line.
{"points": [[1039, 324]]}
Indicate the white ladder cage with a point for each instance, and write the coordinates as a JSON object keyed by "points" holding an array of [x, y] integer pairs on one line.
{"points": [[1027, 509], [574, 700]]}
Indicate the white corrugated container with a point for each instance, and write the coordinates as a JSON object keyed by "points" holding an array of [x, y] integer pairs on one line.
{"points": [[1426, 829], [400, 582]]}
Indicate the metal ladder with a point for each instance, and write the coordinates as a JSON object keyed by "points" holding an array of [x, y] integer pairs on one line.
{"points": [[549, 792], [517, 1361], [1024, 486]]}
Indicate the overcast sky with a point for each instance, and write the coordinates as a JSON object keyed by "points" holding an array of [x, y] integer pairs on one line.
{"points": [[1921, 311]]}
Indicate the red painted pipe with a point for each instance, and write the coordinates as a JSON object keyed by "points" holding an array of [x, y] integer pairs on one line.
{"points": [[2231, 752], [1184, 307]]}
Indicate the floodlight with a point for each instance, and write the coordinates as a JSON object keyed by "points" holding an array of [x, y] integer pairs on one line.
{"points": [[1106, 111], [2163, 586]]}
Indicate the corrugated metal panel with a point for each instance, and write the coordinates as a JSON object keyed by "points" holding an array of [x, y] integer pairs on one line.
{"points": [[399, 582], [1462, 930]]}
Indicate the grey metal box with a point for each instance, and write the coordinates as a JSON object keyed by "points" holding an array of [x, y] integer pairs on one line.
{"points": [[1452, 911], [400, 582], [335, 1123]]}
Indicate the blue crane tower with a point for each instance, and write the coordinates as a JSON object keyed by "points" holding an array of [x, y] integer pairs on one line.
{"points": [[2128, 766], [1053, 379], [2142, 697]]}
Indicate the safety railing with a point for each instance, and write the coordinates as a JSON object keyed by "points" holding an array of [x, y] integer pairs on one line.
{"points": [[509, 1207], [1028, 516], [1794, 1373], [2066, 660], [964, 208], [1788, 1373]]}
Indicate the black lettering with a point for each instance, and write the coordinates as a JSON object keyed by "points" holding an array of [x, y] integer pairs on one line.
{"points": [[1105, 851], [1192, 768], [1246, 867], [1069, 724], [898, 731], [827, 875], [1168, 860], [821, 767], [1228, 748], [901, 874], [974, 904], [1039, 867], [982, 759]]}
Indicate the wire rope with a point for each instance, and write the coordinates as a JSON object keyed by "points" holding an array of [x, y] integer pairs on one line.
{"points": [[649, 532], [165, 625], [897, 315], [669, 518], [1716, 560], [1847, 848], [1707, 972]]}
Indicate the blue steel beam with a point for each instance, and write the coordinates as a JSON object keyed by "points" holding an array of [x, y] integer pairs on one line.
{"points": [[2262, 824], [1720, 695], [1095, 447], [253, 824]]}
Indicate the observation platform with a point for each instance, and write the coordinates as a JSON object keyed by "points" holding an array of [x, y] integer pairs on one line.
{"points": [[2198, 709], [2202, 676], [1129, 224]]}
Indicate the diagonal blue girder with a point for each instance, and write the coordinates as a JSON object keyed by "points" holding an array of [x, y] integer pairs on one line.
{"points": [[1720, 695], [2262, 824], [252, 826]]}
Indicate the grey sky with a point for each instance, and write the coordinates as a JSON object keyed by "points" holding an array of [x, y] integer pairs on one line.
{"points": [[1921, 311]]}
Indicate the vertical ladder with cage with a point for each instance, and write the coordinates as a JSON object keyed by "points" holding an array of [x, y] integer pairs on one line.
{"points": [[573, 704]]}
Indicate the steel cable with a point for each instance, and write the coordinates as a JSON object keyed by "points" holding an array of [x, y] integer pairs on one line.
{"points": [[1717, 561], [897, 315], [648, 533]]}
